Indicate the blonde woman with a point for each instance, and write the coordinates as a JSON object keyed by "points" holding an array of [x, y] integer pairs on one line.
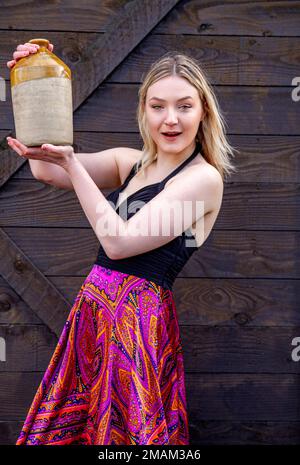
{"points": [[117, 373]]}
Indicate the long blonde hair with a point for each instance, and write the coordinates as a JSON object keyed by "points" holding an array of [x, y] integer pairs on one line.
{"points": [[211, 133]]}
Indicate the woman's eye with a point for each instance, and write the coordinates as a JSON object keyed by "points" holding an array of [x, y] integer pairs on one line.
{"points": [[182, 106]]}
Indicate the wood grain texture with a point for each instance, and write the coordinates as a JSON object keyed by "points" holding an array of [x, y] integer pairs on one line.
{"points": [[227, 60], [217, 302], [21, 273], [251, 206], [230, 302], [270, 110], [266, 159], [68, 15], [207, 349], [237, 299], [209, 17], [234, 397], [209, 432], [235, 254]]}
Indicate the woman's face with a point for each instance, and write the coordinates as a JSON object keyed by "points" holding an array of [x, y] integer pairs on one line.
{"points": [[167, 109]]}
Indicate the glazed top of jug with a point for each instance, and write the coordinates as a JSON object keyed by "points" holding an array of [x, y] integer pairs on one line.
{"points": [[42, 64]]}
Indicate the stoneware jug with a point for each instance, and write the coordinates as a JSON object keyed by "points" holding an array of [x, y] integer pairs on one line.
{"points": [[41, 90]]}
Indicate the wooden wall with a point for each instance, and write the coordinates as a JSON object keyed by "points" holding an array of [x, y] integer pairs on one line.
{"points": [[238, 297]]}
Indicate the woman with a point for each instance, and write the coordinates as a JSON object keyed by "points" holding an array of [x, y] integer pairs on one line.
{"points": [[117, 374]]}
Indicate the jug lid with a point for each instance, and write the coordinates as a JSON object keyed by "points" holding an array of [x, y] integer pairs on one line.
{"points": [[40, 42]]}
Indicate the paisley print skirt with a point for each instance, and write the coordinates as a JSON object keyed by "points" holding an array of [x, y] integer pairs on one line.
{"points": [[117, 374]]}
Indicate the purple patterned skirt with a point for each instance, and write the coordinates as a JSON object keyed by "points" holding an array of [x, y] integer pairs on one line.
{"points": [[117, 374]]}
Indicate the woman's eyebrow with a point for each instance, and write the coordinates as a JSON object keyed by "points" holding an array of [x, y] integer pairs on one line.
{"points": [[162, 100]]}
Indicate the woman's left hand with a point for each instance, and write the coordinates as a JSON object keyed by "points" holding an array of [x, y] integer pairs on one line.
{"points": [[62, 155]]}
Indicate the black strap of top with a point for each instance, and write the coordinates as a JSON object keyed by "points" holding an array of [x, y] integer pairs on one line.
{"points": [[183, 164], [198, 149]]}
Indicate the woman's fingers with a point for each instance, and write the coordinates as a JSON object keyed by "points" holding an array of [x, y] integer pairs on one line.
{"points": [[17, 56], [16, 145], [24, 50], [23, 150], [11, 63], [57, 154], [20, 148]]}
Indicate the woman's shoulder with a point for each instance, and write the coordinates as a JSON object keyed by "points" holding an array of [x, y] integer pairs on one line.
{"points": [[213, 173], [203, 168]]}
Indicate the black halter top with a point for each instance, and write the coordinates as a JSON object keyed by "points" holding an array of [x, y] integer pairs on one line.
{"points": [[160, 265]]}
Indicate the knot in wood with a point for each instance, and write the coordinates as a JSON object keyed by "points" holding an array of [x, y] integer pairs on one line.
{"points": [[241, 318], [5, 304], [19, 265]]}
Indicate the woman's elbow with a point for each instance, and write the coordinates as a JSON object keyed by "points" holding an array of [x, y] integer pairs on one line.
{"points": [[113, 251]]}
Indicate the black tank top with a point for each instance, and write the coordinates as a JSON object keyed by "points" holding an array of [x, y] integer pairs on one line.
{"points": [[162, 264]]}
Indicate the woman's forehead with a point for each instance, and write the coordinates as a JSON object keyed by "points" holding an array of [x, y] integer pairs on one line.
{"points": [[171, 81]]}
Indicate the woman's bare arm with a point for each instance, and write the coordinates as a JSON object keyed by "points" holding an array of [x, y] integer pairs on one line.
{"points": [[105, 167]]}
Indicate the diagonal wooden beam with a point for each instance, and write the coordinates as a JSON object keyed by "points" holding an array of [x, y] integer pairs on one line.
{"points": [[34, 288], [9, 161], [126, 30]]}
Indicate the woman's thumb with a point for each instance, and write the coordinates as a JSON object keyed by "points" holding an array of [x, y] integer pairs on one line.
{"points": [[47, 147], [55, 148]]}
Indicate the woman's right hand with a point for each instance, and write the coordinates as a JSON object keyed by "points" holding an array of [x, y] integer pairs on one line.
{"points": [[23, 50]]}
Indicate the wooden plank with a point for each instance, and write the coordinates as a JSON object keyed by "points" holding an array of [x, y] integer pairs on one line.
{"points": [[252, 254], [264, 18], [243, 397], [234, 397], [66, 16], [236, 302], [259, 18], [259, 61], [17, 392], [63, 16], [9, 432], [241, 60], [264, 432], [10, 161], [257, 350], [210, 432], [225, 254], [30, 284], [28, 347], [65, 252], [211, 349], [252, 206], [248, 110], [244, 107], [13, 310]]}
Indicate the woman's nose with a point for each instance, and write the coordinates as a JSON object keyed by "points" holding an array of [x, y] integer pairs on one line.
{"points": [[171, 117]]}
